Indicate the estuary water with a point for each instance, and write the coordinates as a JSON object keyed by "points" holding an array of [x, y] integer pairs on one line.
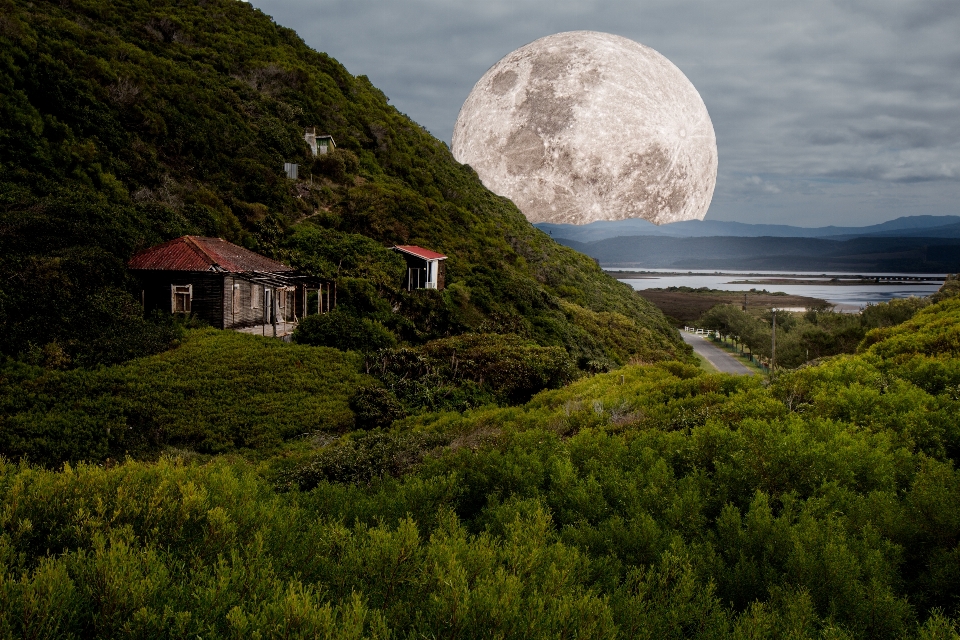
{"points": [[847, 297]]}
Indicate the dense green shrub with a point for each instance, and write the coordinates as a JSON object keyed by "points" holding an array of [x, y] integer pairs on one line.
{"points": [[950, 288], [472, 369], [891, 313], [343, 330], [375, 407], [337, 165], [364, 457], [74, 304]]}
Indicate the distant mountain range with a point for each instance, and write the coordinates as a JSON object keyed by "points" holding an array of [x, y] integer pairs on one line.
{"points": [[863, 255], [907, 226], [919, 244]]}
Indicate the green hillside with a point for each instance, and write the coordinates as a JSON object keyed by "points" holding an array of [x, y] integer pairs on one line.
{"points": [[124, 124]]}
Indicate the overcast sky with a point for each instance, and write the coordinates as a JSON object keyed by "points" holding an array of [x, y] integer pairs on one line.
{"points": [[826, 112]]}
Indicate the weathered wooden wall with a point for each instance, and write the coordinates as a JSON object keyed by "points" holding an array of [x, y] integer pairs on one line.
{"points": [[243, 303], [226, 301], [207, 299]]}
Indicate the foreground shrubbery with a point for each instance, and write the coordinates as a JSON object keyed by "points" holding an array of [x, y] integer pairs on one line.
{"points": [[665, 504]]}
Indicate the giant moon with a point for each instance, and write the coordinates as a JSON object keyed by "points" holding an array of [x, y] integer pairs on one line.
{"points": [[584, 126]]}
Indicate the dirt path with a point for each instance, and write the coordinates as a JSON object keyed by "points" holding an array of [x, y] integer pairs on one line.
{"points": [[723, 361]]}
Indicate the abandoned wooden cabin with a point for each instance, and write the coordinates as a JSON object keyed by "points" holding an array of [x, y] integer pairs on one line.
{"points": [[226, 285], [425, 268]]}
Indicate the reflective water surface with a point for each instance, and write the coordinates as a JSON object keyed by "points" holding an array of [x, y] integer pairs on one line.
{"points": [[850, 296]]}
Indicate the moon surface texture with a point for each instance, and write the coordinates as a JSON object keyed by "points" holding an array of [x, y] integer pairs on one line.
{"points": [[584, 126]]}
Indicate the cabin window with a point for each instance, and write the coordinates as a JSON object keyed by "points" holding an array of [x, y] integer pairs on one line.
{"points": [[236, 299], [180, 297], [254, 296]]}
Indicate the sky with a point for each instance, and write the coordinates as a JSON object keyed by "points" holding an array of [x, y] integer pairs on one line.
{"points": [[843, 112]]}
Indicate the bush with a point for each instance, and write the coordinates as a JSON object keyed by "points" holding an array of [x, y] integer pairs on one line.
{"points": [[345, 331], [375, 407], [338, 165], [72, 309], [473, 369], [891, 313]]}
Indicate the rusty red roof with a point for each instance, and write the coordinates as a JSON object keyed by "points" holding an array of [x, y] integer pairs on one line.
{"points": [[420, 252], [194, 253]]}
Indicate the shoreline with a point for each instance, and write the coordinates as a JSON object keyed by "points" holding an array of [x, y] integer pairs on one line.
{"points": [[829, 279]]}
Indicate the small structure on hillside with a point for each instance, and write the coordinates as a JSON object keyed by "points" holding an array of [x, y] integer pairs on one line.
{"points": [[319, 144], [227, 285], [425, 268], [291, 170]]}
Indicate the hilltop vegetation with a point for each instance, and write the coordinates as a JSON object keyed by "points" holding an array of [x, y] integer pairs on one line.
{"points": [[666, 503], [128, 123]]}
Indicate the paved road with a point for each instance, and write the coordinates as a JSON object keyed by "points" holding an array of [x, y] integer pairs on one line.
{"points": [[723, 361]]}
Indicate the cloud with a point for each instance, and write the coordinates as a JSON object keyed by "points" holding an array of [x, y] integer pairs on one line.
{"points": [[843, 108]]}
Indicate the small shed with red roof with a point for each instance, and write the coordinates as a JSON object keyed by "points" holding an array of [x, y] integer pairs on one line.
{"points": [[224, 284], [425, 268]]}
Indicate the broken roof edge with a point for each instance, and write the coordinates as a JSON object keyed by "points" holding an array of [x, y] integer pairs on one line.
{"points": [[419, 252], [281, 278]]}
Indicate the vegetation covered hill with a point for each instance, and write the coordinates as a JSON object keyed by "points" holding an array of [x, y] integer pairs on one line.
{"points": [[652, 502], [127, 123], [936, 253]]}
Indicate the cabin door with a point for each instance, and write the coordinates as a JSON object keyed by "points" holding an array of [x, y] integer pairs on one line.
{"points": [[267, 306]]}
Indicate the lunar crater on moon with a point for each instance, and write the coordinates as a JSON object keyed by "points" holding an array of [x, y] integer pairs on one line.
{"points": [[584, 126]]}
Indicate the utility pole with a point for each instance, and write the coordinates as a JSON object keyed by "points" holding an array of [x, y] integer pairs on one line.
{"points": [[773, 344]]}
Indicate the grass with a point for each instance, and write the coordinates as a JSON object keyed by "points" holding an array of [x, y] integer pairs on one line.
{"points": [[743, 359], [705, 364], [220, 391], [686, 307]]}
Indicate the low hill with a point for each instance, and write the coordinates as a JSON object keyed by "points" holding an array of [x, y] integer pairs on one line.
{"points": [[944, 231], [862, 254], [128, 123], [906, 226]]}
